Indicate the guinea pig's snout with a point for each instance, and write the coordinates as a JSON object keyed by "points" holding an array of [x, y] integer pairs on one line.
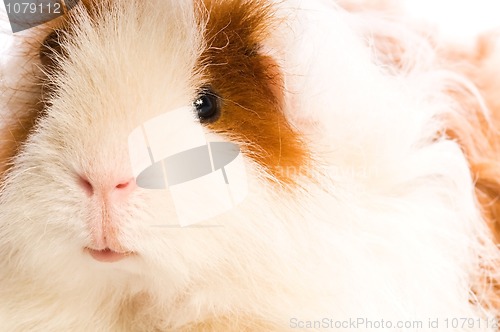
{"points": [[113, 189], [106, 194]]}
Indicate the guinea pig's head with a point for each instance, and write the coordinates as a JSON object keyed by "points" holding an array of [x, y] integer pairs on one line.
{"points": [[72, 198]]}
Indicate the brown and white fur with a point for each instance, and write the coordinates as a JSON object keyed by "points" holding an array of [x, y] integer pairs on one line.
{"points": [[372, 162]]}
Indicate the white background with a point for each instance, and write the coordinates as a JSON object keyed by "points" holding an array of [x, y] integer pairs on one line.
{"points": [[457, 18]]}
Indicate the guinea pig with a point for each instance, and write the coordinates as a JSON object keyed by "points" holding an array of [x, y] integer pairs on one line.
{"points": [[363, 193]]}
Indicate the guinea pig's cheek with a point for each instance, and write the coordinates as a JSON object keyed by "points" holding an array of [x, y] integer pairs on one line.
{"points": [[204, 178]]}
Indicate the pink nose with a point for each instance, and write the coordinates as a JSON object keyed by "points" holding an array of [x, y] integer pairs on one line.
{"points": [[116, 190]]}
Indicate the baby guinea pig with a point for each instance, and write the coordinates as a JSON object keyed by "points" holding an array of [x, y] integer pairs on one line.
{"points": [[349, 194]]}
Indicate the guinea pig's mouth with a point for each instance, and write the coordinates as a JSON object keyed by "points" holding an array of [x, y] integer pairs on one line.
{"points": [[108, 255]]}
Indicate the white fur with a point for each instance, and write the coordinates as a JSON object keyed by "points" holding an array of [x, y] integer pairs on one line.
{"points": [[391, 230]]}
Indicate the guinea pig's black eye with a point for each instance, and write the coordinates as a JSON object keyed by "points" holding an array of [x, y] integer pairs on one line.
{"points": [[207, 105]]}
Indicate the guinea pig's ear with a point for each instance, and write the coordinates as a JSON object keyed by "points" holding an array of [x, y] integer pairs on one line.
{"points": [[51, 49]]}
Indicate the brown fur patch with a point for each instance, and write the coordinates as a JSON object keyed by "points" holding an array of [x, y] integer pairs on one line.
{"points": [[479, 137], [249, 84], [22, 104], [13, 133]]}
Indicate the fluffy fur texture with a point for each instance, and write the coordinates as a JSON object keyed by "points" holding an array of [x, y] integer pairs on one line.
{"points": [[355, 130]]}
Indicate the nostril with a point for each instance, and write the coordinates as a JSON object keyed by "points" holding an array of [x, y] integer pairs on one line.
{"points": [[123, 185], [118, 188], [126, 185], [123, 189], [86, 185]]}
